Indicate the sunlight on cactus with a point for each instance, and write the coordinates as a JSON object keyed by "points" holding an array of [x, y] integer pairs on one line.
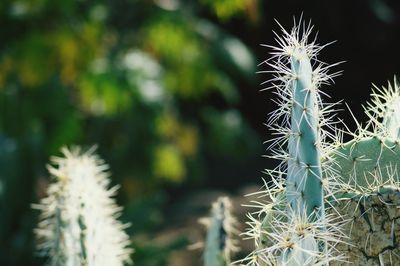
{"points": [[78, 222]]}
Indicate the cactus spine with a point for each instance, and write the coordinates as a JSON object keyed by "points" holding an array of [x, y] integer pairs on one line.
{"points": [[78, 223]]}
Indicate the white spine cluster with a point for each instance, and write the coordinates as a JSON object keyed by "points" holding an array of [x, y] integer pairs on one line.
{"points": [[78, 222], [384, 110]]}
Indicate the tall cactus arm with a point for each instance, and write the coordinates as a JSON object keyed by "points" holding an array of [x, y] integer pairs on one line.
{"points": [[304, 176], [299, 233], [301, 117], [220, 225]]}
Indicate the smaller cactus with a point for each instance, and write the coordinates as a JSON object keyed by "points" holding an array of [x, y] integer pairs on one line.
{"points": [[384, 110], [372, 154], [78, 222], [220, 232], [370, 194]]}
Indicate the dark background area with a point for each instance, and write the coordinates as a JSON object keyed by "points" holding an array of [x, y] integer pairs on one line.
{"points": [[168, 91]]}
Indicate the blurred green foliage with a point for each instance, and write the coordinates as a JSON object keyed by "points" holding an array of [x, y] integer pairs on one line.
{"points": [[138, 78]]}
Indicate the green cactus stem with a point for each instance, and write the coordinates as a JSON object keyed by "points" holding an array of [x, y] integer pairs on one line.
{"points": [[370, 195], [299, 233]]}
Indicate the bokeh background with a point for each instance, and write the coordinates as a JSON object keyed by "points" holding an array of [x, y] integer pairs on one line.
{"points": [[167, 89]]}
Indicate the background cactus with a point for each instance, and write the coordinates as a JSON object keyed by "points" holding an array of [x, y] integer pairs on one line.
{"points": [[78, 222], [220, 233]]}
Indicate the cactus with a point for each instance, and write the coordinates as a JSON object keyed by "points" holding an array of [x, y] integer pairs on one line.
{"points": [[384, 111], [333, 191], [303, 184], [78, 222], [220, 230], [362, 195], [360, 161], [370, 194], [373, 226], [372, 153], [294, 229]]}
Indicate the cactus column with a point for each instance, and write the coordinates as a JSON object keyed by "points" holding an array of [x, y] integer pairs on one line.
{"points": [[370, 198], [220, 230], [304, 176]]}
